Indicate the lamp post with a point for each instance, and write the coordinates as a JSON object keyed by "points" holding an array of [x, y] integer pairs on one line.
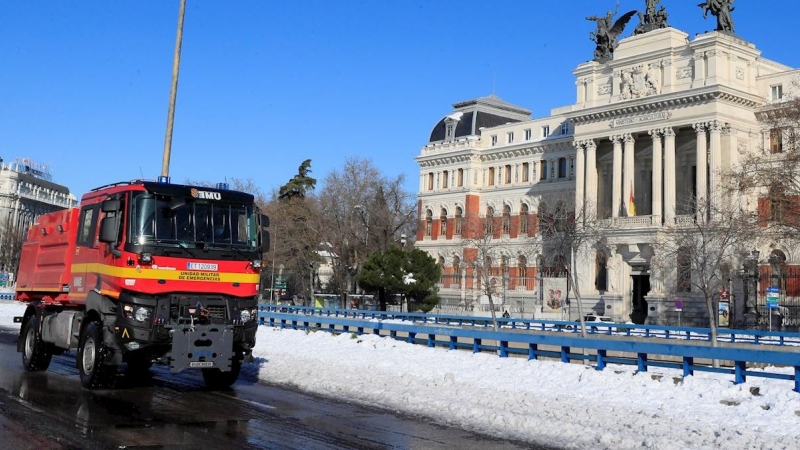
{"points": [[751, 285]]}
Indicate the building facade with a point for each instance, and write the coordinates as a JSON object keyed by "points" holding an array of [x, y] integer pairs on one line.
{"points": [[631, 145]]}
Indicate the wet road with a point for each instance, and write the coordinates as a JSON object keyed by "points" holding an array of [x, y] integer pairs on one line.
{"points": [[51, 410]]}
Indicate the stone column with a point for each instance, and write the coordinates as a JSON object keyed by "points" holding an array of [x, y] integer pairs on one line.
{"points": [[702, 171], [656, 212], [591, 176], [715, 162], [579, 174], [669, 176], [627, 174], [616, 177]]}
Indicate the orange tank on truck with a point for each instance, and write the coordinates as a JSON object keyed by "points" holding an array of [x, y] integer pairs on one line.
{"points": [[144, 273]]}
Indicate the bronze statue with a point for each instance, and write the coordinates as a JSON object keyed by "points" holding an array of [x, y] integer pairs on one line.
{"points": [[651, 19], [721, 9], [606, 35]]}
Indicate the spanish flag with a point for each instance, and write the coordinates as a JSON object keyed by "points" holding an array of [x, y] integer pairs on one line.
{"points": [[632, 205]]}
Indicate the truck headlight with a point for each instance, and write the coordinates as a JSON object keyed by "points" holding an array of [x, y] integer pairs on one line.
{"points": [[137, 313]]}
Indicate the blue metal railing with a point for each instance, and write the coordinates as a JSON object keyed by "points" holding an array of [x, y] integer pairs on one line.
{"points": [[640, 345]]}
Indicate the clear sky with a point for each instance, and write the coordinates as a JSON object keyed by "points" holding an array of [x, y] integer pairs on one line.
{"points": [[84, 85]]}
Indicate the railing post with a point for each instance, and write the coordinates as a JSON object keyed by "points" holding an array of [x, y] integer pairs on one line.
{"points": [[641, 362], [564, 354], [453, 341], [739, 368], [503, 349], [797, 379], [431, 340], [411, 337], [601, 359], [688, 362], [532, 351], [476, 345]]}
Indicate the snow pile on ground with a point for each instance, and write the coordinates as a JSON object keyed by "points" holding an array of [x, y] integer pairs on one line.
{"points": [[567, 405]]}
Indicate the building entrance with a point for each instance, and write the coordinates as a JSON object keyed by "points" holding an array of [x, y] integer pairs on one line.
{"points": [[641, 287]]}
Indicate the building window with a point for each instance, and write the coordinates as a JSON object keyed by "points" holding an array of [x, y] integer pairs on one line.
{"points": [[778, 204], [545, 131], [460, 178], [565, 128], [494, 140], [449, 132], [523, 219], [457, 270], [525, 170], [510, 137], [684, 261], [459, 219], [430, 181], [777, 92], [543, 172], [506, 219], [601, 263], [445, 176], [522, 268], [776, 140], [508, 174], [428, 222], [491, 176], [443, 222], [542, 216], [488, 227], [527, 134], [562, 167]]}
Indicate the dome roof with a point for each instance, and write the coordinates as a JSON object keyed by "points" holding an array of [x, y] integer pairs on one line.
{"points": [[470, 116]]}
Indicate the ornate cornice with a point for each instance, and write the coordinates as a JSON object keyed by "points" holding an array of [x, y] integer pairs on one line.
{"points": [[665, 102]]}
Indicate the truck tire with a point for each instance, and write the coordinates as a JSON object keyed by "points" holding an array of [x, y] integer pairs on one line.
{"points": [[90, 358], [217, 379], [36, 355]]}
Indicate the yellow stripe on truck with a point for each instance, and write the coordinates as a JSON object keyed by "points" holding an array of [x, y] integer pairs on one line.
{"points": [[161, 274]]}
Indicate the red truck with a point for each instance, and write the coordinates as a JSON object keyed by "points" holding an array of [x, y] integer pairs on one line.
{"points": [[140, 273]]}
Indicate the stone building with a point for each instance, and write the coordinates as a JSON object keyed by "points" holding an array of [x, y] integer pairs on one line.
{"points": [[631, 144]]}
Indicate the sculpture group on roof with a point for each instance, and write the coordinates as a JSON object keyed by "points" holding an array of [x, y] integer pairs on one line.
{"points": [[606, 35]]}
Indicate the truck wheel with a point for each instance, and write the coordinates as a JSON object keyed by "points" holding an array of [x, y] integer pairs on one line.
{"points": [[90, 358], [217, 379], [36, 355]]}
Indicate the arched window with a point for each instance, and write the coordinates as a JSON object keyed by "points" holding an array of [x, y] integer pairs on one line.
{"points": [[428, 222], [506, 219], [523, 219], [560, 217], [443, 222], [459, 220], [542, 216], [522, 268], [457, 270], [778, 203], [489, 225]]}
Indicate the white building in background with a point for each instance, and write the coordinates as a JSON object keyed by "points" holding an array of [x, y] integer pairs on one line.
{"points": [[640, 127], [27, 191]]}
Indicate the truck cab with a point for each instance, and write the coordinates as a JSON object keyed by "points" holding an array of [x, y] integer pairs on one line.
{"points": [[142, 273]]}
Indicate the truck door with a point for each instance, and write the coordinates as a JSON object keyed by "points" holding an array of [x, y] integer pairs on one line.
{"points": [[86, 262]]}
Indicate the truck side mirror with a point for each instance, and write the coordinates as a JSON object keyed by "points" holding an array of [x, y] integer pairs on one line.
{"points": [[110, 205], [108, 230]]}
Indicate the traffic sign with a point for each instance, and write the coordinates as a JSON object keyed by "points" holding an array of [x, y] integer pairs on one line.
{"points": [[678, 305], [723, 294], [773, 293]]}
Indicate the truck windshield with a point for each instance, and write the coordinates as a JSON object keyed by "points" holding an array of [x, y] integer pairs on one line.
{"points": [[190, 221]]}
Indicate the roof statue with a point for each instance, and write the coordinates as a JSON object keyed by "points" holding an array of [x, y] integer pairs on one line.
{"points": [[721, 9], [606, 35], [651, 19]]}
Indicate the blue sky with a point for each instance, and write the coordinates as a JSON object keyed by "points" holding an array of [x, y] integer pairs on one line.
{"points": [[84, 85]]}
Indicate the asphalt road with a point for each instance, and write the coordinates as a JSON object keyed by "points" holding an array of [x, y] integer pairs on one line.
{"points": [[51, 410]]}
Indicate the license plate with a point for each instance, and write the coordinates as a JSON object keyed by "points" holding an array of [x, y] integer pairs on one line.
{"points": [[201, 364]]}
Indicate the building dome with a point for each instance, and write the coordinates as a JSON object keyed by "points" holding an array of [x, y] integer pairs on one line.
{"points": [[470, 116]]}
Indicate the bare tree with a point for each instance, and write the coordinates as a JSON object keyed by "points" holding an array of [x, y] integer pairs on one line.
{"points": [[11, 238], [705, 248], [362, 212], [570, 230]]}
